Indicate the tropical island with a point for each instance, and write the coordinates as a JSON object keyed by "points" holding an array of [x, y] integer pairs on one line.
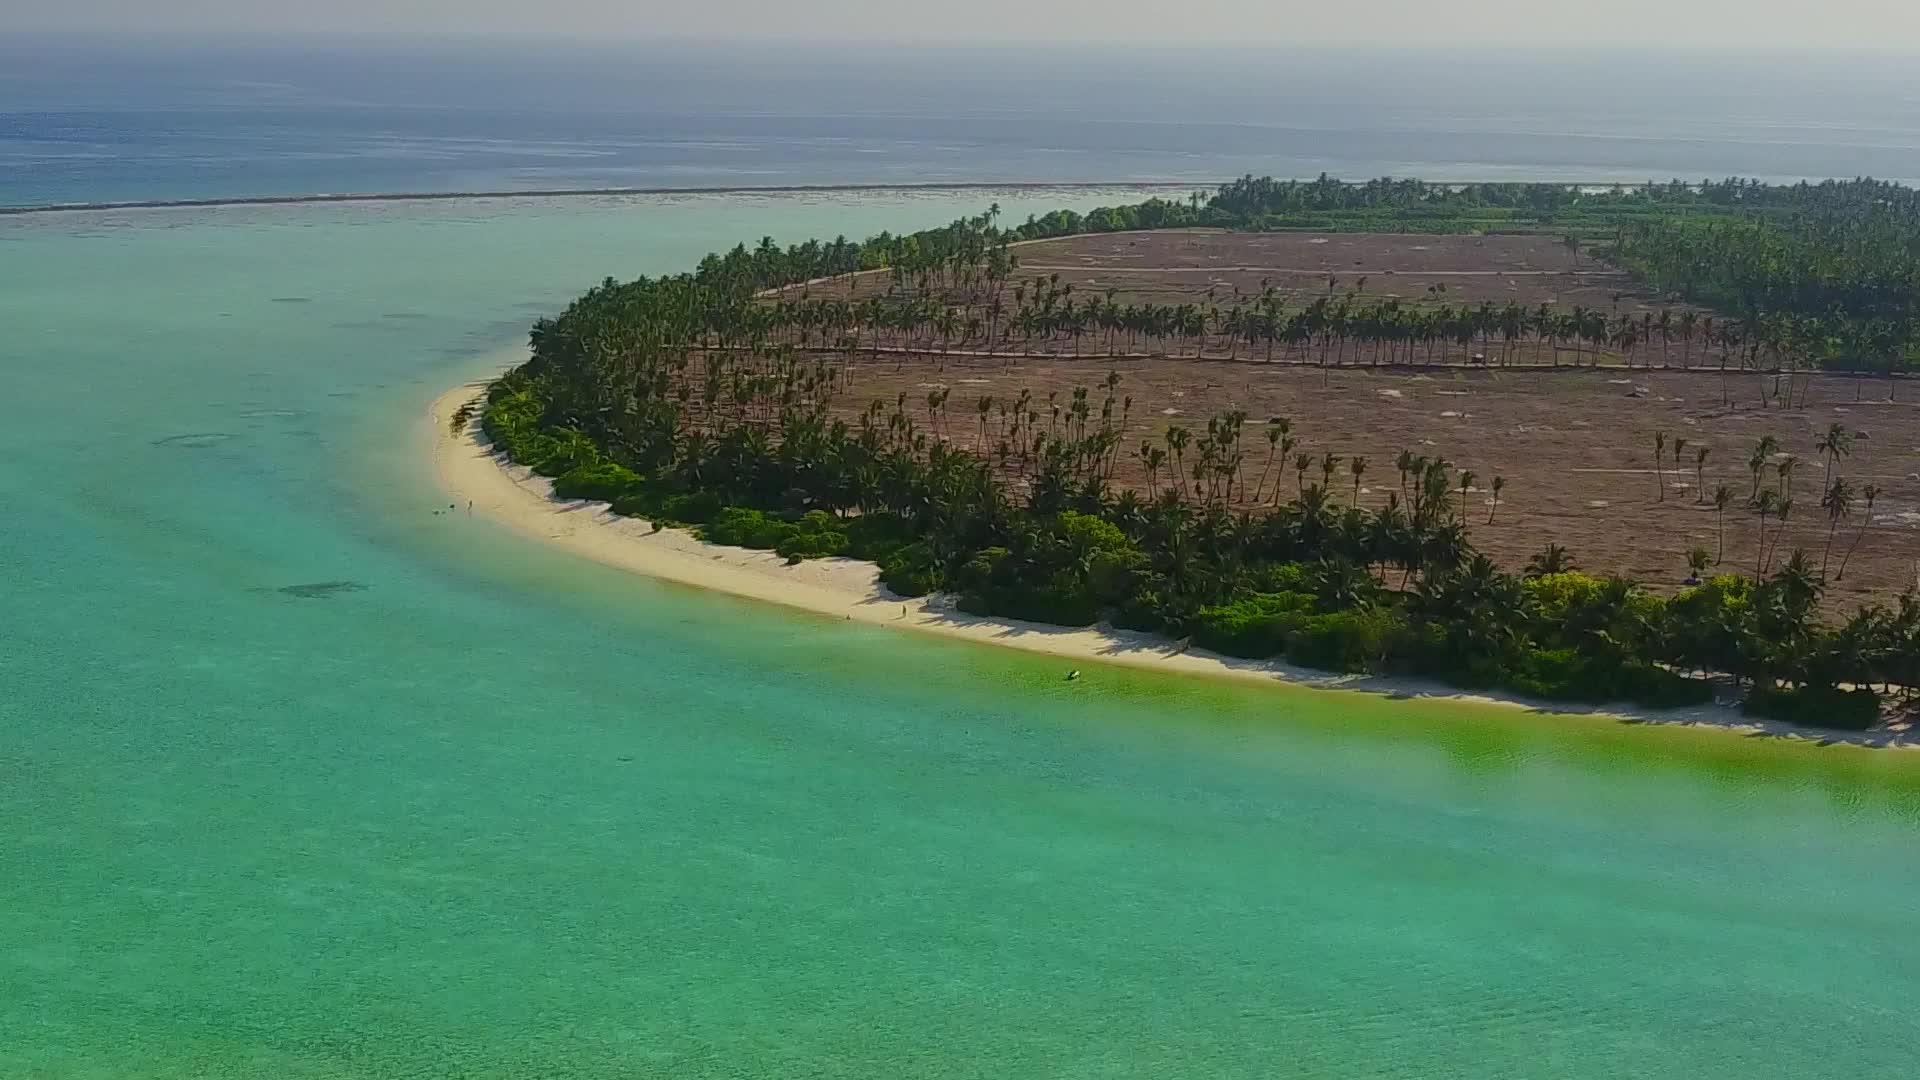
{"points": [[1573, 444]]}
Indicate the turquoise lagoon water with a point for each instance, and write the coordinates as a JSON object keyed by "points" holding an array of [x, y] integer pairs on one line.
{"points": [[463, 806]]}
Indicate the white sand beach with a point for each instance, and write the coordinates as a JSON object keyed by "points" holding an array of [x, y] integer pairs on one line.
{"points": [[469, 470]]}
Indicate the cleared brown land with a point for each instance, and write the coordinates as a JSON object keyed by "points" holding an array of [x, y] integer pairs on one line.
{"points": [[1575, 446], [1576, 450], [1176, 267], [1184, 266]]}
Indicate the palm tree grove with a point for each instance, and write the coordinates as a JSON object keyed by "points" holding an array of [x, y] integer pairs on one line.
{"points": [[731, 399]]}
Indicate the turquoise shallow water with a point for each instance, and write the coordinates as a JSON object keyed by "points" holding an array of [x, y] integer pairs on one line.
{"points": [[482, 810]]}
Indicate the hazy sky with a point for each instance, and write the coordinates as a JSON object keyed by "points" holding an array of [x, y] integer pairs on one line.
{"points": [[1774, 24]]}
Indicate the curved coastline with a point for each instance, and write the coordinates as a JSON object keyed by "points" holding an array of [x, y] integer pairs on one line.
{"points": [[467, 468]]}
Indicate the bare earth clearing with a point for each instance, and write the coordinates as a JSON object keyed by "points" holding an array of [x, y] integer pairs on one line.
{"points": [[1170, 267], [1185, 266], [1575, 446]]}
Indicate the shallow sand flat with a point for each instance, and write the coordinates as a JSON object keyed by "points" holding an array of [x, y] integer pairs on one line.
{"points": [[469, 470]]}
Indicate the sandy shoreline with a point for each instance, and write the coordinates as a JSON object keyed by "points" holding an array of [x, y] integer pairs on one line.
{"points": [[468, 470]]}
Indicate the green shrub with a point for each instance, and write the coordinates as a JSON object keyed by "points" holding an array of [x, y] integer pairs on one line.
{"points": [[1063, 601], [911, 571], [1289, 577], [639, 504], [1566, 675], [1256, 626], [877, 537], [1553, 595], [1355, 640], [815, 535], [529, 448], [565, 451], [1698, 620], [512, 419], [812, 545], [977, 577], [1554, 674], [1652, 685], [695, 509], [1816, 707], [746, 528], [1141, 611], [604, 481], [991, 583], [1114, 576], [1084, 531]]}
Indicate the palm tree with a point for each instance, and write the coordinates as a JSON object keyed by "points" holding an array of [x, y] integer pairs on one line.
{"points": [[1329, 465], [1783, 509], [1287, 443], [1659, 457], [1763, 452], [1552, 559], [1838, 503], [1834, 445], [1277, 429], [1722, 498], [1700, 473], [1679, 449], [1796, 580], [1698, 560], [1177, 438], [1358, 466], [1466, 484], [1870, 493], [1499, 485], [1301, 463], [1785, 470], [1763, 506]]}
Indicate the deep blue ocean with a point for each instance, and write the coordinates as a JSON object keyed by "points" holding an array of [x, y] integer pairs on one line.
{"points": [[96, 121]]}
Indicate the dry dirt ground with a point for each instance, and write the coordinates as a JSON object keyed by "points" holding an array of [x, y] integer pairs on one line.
{"points": [[1182, 266], [1576, 449], [1210, 268], [1575, 446]]}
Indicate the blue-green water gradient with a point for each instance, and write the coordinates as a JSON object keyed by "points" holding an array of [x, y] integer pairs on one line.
{"points": [[469, 807]]}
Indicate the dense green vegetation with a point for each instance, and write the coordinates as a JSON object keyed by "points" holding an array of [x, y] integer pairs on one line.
{"points": [[1827, 273], [692, 399]]}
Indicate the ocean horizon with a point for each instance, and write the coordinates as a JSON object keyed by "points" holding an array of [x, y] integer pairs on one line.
{"points": [[104, 120]]}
